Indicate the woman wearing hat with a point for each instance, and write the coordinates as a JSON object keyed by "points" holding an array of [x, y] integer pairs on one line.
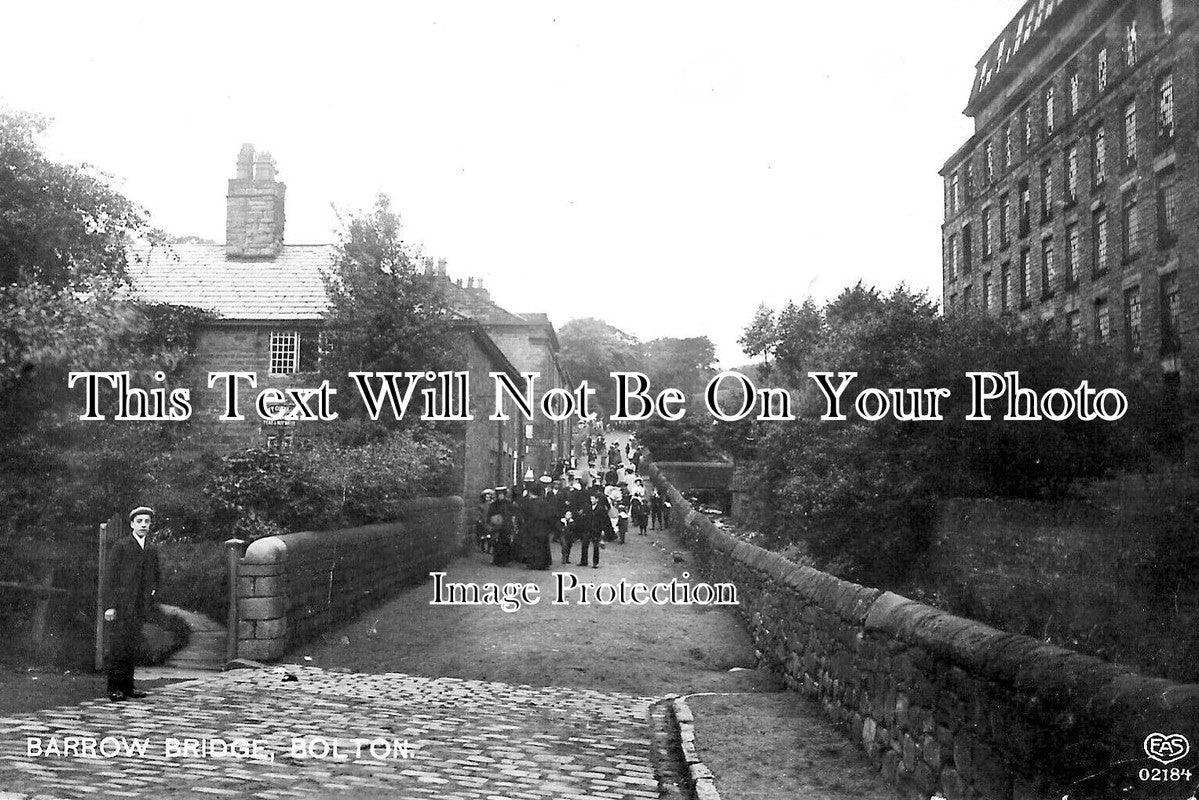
{"points": [[502, 516], [130, 583], [484, 530]]}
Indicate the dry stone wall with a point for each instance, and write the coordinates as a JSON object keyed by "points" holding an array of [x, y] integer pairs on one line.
{"points": [[293, 587], [944, 705]]}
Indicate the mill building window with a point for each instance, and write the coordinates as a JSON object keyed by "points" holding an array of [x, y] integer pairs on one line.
{"points": [[1073, 254], [1132, 320], [1099, 232], [1046, 191], [1165, 107], [1049, 98], [1025, 279], [1072, 174], [1169, 313], [1130, 225], [1130, 134], [1025, 207], [1004, 212], [1167, 208], [1048, 269], [1103, 322], [1073, 331]]}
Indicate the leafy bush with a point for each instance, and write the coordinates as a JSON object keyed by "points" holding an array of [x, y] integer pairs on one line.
{"points": [[864, 491], [355, 476]]}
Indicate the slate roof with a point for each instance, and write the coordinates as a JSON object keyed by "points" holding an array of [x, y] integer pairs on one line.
{"points": [[289, 287], [470, 304]]}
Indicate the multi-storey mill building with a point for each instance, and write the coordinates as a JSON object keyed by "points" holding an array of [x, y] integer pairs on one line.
{"points": [[1074, 204]]}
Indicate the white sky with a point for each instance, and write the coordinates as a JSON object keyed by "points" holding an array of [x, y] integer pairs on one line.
{"points": [[664, 166]]}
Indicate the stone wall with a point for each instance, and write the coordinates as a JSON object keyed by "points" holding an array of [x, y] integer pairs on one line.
{"points": [[293, 587], [940, 703]]}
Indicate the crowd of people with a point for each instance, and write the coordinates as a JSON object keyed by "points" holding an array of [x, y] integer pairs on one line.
{"points": [[591, 507]]}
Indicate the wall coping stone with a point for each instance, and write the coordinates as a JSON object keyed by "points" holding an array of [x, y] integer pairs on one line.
{"points": [[268, 550]]}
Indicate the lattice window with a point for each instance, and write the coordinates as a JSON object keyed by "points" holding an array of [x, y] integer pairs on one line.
{"points": [[285, 352]]}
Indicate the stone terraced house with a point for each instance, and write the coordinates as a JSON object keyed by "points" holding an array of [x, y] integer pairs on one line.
{"points": [[268, 298]]}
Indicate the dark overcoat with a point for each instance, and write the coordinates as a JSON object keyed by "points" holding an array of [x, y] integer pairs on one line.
{"points": [[130, 583]]}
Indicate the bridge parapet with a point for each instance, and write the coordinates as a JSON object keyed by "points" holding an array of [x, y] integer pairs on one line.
{"points": [[945, 705], [688, 475], [293, 587]]}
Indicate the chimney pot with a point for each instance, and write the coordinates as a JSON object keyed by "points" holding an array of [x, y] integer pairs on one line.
{"points": [[441, 265], [428, 266], [245, 163], [470, 283], [264, 167], [254, 209]]}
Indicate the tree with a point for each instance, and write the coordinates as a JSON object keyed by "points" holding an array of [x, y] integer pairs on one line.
{"points": [[684, 364], [761, 336], [384, 314], [692, 438], [591, 350], [64, 239], [799, 331], [66, 304], [862, 492]]}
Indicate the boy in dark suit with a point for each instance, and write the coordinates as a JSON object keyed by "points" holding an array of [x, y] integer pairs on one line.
{"points": [[130, 583]]}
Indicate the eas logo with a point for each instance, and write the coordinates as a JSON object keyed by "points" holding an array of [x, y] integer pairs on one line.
{"points": [[1166, 748]]}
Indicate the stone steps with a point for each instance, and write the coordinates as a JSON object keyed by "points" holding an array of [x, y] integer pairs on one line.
{"points": [[205, 650]]}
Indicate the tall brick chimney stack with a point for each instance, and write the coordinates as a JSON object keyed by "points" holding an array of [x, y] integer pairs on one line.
{"points": [[254, 214]]}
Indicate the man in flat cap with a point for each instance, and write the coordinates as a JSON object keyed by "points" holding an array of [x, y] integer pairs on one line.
{"points": [[130, 583]]}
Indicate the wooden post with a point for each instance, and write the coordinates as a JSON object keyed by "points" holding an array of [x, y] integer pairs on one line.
{"points": [[233, 551], [101, 556]]}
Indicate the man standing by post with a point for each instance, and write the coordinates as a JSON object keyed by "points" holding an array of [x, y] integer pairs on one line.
{"points": [[130, 583]]}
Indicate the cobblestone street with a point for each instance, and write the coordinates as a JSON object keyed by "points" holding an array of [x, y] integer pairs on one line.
{"points": [[463, 739]]}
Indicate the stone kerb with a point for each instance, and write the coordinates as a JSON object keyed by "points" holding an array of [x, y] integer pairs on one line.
{"points": [[941, 703], [295, 586]]}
